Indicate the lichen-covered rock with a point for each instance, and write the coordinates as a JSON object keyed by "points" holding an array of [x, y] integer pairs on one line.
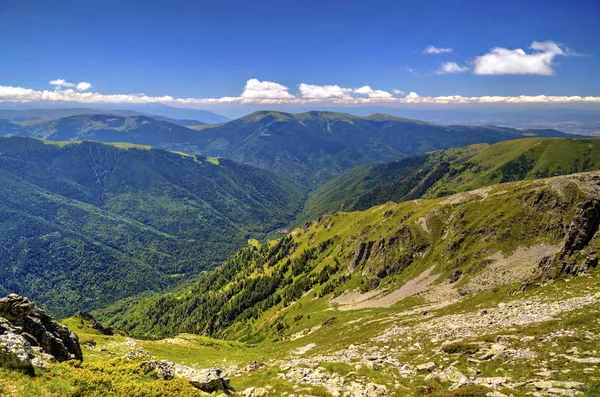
{"points": [[253, 366], [162, 369], [430, 366], [375, 390], [208, 380], [16, 353], [15, 306]]}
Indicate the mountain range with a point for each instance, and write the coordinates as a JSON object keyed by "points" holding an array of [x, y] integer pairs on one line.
{"points": [[454, 246], [310, 148], [346, 257], [70, 108]]}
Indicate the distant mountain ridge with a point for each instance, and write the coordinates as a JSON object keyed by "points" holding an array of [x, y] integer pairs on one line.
{"points": [[313, 147], [310, 148], [35, 109], [33, 115]]}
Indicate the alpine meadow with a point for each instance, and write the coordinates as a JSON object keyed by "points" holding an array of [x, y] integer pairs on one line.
{"points": [[346, 199]]}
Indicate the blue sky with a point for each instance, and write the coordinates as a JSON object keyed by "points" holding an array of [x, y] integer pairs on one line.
{"points": [[195, 49]]}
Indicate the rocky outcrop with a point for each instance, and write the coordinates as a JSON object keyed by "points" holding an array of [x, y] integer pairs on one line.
{"points": [[428, 181], [16, 353], [26, 330], [255, 392], [583, 227], [576, 254], [362, 253], [208, 380]]}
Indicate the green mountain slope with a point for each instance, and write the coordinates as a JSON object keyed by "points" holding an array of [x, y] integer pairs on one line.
{"points": [[441, 248], [315, 146], [445, 172], [112, 128], [84, 224], [310, 148]]}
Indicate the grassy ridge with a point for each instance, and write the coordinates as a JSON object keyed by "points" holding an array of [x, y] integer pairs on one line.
{"points": [[446, 172]]}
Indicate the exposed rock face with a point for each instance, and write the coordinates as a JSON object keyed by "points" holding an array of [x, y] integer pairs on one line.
{"points": [[23, 326], [576, 254], [358, 255], [13, 307], [255, 392], [583, 227]]}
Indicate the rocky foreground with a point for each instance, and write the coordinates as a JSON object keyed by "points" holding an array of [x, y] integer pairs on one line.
{"points": [[30, 338]]}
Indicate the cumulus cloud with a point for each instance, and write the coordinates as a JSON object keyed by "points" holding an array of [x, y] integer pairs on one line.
{"points": [[61, 83], [398, 92], [540, 61], [451, 67], [434, 50], [269, 93], [324, 91], [256, 89], [83, 86], [371, 93]]}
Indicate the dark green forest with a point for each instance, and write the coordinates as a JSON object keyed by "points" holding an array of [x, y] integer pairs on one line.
{"points": [[86, 224]]}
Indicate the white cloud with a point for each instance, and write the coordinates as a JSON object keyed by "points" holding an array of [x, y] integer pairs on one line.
{"points": [[61, 83], [371, 93], [256, 89], [434, 50], [398, 92], [311, 95], [84, 86], [539, 61], [324, 91], [451, 67]]}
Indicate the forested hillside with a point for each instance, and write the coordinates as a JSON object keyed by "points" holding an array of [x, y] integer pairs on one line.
{"points": [[445, 172], [83, 224], [461, 244]]}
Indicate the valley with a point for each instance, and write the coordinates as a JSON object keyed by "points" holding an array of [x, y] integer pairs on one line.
{"points": [[300, 198], [508, 337], [464, 271]]}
